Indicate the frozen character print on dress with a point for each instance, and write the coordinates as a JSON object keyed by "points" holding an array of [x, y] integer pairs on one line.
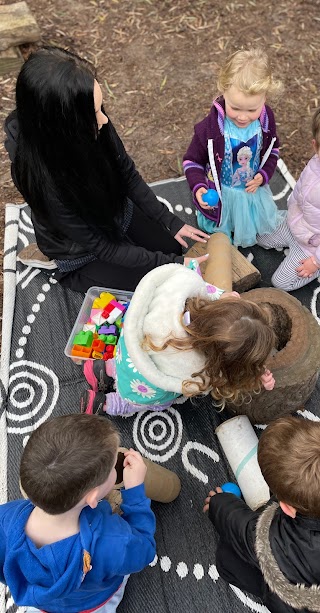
{"points": [[242, 153], [244, 173]]}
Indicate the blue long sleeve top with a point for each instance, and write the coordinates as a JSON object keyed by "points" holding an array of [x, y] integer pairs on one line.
{"points": [[52, 577]]}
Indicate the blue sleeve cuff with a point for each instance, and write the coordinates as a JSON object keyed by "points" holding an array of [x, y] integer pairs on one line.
{"points": [[134, 495]]}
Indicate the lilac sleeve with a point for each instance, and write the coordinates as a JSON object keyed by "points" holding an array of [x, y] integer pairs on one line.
{"points": [[115, 405]]}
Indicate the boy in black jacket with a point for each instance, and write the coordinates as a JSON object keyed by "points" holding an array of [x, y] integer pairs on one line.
{"points": [[274, 553]]}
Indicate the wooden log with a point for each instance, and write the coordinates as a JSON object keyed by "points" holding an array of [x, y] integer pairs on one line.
{"points": [[10, 60], [17, 25], [219, 265], [244, 274]]}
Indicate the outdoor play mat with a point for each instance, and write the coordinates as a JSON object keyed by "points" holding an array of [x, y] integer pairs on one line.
{"points": [[39, 381]]}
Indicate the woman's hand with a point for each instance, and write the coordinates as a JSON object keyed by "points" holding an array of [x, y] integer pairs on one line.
{"points": [[252, 186], [202, 258], [267, 380], [207, 500], [190, 232], [307, 267], [198, 194]]}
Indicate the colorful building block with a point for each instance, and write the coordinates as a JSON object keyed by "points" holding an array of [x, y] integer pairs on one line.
{"points": [[83, 338], [108, 329], [80, 351], [112, 339], [108, 352], [107, 310], [98, 345], [97, 355], [89, 327], [114, 315], [118, 305], [109, 339], [103, 300], [98, 317]]}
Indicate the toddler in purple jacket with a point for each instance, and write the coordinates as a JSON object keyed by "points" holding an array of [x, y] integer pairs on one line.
{"points": [[235, 150], [300, 231]]}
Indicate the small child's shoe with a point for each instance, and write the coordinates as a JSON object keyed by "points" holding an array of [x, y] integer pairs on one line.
{"points": [[95, 373], [92, 402]]}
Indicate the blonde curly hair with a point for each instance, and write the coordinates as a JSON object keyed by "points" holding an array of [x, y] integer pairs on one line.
{"points": [[249, 71]]}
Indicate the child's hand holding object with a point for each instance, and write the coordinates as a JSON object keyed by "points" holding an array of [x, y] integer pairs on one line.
{"points": [[207, 500], [134, 469]]}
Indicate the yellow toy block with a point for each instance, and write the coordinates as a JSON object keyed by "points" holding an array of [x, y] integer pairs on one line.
{"points": [[103, 300]]}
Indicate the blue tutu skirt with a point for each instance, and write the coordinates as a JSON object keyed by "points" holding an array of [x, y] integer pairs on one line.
{"points": [[245, 215]]}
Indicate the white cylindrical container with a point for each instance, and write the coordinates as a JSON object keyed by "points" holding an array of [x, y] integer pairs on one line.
{"points": [[239, 443]]}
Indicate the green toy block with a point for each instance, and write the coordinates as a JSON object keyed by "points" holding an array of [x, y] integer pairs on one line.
{"points": [[103, 337], [111, 339], [83, 338]]}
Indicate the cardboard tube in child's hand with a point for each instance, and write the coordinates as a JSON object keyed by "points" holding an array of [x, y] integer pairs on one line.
{"points": [[219, 266]]}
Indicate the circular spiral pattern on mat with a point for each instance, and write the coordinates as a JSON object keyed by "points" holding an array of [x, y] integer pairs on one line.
{"points": [[157, 435], [33, 392]]}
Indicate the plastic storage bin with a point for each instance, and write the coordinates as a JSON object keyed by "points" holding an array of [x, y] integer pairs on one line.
{"points": [[84, 314]]}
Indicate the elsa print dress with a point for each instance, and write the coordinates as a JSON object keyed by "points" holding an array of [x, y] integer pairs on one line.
{"points": [[244, 215]]}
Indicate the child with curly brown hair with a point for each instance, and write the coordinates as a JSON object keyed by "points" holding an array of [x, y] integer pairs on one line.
{"points": [[179, 339]]}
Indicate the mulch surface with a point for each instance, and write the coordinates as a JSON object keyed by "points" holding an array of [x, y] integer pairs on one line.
{"points": [[157, 64]]}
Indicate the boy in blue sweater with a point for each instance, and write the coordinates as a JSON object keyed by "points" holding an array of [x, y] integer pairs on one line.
{"points": [[63, 551]]}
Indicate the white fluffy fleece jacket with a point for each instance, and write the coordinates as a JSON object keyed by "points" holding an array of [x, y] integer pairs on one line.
{"points": [[155, 310]]}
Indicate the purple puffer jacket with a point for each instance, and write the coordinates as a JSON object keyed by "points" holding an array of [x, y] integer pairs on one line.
{"points": [[304, 209]]}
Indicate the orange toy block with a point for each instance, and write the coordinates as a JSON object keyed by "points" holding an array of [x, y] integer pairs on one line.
{"points": [[98, 345], [80, 351]]}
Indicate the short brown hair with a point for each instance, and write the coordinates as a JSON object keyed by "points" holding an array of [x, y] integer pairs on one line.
{"points": [[316, 128], [65, 458], [289, 458]]}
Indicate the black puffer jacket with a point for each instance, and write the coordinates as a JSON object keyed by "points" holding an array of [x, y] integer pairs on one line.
{"points": [[61, 235], [286, 550]]}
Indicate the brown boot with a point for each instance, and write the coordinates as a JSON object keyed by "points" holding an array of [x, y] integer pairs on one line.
{"points": [[32, 256], [161, 484]]}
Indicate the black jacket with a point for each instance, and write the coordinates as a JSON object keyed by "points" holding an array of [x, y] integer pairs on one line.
{"points": [[286, 550], [61, 235]]}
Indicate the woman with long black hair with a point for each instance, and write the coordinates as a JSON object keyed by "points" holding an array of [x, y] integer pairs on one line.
{"points": [[92, 212]]}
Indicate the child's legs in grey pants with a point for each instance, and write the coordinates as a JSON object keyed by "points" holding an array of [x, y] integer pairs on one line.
{"points": [[286, 276]]}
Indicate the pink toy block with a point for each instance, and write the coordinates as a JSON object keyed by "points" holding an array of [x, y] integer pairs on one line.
{"points": [[93, 313], [97, 318], [118, 305]]}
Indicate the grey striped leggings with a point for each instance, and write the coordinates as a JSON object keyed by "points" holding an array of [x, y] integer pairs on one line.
{"points": [[286, 277]]}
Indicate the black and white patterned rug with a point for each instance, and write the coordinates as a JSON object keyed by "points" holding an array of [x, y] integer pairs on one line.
{"points": [[38, 381]]}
